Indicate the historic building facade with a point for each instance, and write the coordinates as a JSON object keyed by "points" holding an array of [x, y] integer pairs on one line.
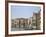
{"points": [[21, 22], [36, 20], [31, 22]]}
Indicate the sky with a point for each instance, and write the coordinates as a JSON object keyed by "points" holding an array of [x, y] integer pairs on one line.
{"points": [[23, 11]]}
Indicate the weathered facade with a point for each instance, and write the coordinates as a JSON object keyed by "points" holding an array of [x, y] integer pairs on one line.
{"points": [[36, 20], [21, 22]]}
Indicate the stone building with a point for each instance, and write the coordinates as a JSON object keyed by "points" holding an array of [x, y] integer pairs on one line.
{"points": [[36, 20], [21, 22]]}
